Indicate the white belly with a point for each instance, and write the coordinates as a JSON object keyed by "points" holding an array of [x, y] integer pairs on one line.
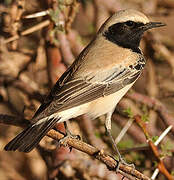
{"points": [[95, 108], [106, 104], [73, 112]]}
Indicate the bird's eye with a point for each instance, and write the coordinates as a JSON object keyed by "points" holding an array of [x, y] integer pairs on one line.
{"points": [[130, 23]]}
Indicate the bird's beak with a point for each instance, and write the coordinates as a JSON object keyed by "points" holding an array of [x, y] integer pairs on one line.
{"points": [[151, 25]]}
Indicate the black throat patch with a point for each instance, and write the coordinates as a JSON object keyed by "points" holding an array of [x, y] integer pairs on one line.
{"points": [[127, 35]]}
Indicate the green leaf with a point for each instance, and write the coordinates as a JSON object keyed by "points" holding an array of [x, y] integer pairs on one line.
{"points": [[154, 138], [145, 117], [128, 112], [155, 163]]}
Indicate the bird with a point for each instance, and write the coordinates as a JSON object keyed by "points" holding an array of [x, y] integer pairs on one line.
{"points": [[95, 82]]}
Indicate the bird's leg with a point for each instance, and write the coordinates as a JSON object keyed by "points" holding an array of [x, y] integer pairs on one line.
{"points": [[68, 132], [63, 141], [108, 130]]}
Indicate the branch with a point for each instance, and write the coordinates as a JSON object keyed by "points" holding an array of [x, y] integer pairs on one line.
{"points": [[153, 148], [126, 171], [28, 31]]}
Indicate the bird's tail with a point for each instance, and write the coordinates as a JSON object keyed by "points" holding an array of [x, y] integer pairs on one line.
{"points": [[30, 137]]}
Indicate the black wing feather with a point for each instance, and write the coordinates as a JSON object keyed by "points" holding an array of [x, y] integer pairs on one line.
{"points": [[30, 137]]}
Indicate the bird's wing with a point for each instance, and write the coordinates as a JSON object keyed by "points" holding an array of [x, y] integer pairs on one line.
{"points": [[77, 91]]}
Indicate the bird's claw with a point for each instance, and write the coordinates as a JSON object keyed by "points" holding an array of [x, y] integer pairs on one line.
{"points": [[122, 161], [63, 141]]}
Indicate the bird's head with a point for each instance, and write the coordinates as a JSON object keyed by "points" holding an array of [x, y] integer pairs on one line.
{"points": [[126, 27]]}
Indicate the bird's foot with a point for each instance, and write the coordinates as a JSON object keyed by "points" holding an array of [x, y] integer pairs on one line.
{"points": [[122, 161], [68, 135]]}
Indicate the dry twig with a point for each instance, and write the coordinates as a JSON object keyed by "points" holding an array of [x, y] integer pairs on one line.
{"points": [[28, 31], [111, 163]]}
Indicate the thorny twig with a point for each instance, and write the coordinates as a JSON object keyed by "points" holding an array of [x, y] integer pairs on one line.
{"points": [[72, 12], [28, 31], [111, 163], [153, 148], [156, 143], [16, 12]]}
